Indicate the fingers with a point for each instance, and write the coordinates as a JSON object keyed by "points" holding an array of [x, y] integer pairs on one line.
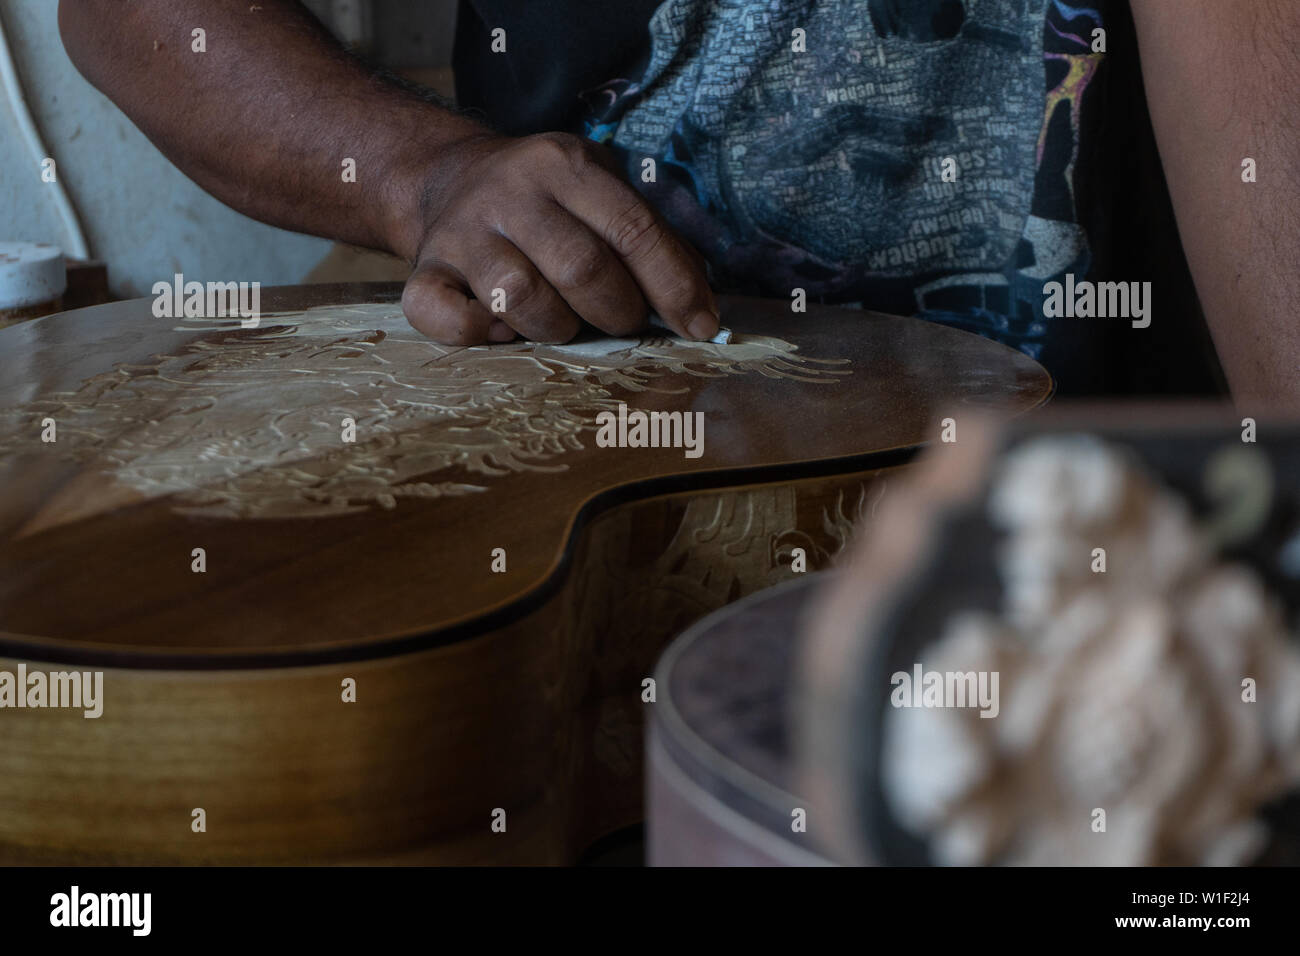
{"points": [[667, 273], [437, 303], [515, 291], [582, 269], [544, 235]]}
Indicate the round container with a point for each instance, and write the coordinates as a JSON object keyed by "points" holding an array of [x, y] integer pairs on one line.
{"points": [[33, 277]]}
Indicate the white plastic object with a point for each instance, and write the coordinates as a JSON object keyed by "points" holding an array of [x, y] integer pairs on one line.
{"points": [[30, 273]]}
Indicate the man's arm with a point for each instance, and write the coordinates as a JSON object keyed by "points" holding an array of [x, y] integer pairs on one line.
{"points": [[1222, 79], [266, 116]]}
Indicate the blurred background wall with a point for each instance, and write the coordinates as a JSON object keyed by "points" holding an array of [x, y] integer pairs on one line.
{"points": [[140, 214]]}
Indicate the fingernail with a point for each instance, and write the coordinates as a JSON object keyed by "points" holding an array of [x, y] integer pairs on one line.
{"points": [[703, 325]]}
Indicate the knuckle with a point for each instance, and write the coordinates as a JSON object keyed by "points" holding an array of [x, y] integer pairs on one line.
{"points": [[518, 288], [636, 231], [682, 296], [420, 300], [430, 310], [422, 282], [412, 299], [562, 149], [583, 267]]}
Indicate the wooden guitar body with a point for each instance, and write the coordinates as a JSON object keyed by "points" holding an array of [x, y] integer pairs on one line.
{"points": [[357, 597]]}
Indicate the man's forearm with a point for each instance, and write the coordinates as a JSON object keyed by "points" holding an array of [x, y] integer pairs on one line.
{"points": [[1221, 77], [265, 118]]}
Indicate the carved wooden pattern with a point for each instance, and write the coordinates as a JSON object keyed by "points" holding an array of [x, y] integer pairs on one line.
{"points": [[246, 423], [476, 690]]}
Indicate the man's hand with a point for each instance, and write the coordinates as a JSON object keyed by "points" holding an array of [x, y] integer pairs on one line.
{"points": [[544, 219], [532, 236]]}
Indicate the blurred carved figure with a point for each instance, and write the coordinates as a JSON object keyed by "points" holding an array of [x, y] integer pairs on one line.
{"points": [[1148, 709]]}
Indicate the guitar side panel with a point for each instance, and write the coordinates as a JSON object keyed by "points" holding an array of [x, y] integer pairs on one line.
{"points": [[542, 719]]}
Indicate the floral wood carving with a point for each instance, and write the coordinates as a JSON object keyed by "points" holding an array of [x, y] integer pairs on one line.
{"points": [[246, 423]]}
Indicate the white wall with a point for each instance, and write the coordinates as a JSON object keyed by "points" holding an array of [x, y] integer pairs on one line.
{"points": [[140, 214]]}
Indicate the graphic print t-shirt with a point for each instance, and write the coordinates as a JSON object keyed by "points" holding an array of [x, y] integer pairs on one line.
{"points": [[936, 158]]}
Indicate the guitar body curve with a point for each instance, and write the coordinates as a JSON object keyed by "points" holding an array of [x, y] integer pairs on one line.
{"points": [[429, 643]]}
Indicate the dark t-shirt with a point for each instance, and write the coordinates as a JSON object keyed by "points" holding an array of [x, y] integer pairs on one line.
{"points": [[940, 158]]}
